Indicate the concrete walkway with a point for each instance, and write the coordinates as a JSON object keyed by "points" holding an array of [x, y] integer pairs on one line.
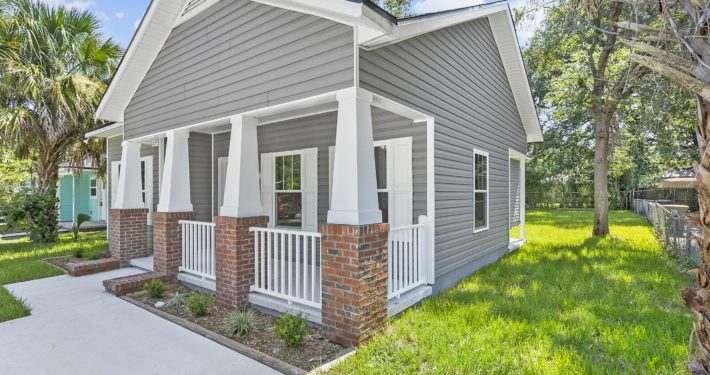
{"points": [[77, 328]]}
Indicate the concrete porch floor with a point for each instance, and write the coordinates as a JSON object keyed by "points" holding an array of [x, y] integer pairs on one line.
{"points": [[78, 328]]}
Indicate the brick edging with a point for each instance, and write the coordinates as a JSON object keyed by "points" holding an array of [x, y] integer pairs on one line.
{"points": [[91, 267]]}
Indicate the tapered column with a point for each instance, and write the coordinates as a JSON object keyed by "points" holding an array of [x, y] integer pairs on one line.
{"points": [[175, 188], [242, 196], [129, 194], [129, 217], [354, 196]]}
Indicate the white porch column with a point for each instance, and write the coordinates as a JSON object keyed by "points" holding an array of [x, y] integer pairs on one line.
{"points": [[175, 186], [523, 161], [354, 196], [242, 193], [129, 194]]}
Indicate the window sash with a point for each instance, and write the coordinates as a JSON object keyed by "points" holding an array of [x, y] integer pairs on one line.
{"points": [[284, 183], [478, 190]]}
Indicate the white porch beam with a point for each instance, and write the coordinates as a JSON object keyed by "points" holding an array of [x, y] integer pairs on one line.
{"points": [[354, 196], [242, 195], [129, 180], [175, 183]]}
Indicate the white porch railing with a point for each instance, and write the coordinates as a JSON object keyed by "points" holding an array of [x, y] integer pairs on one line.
{"points": [[198, 248], [407, 258], [287, 265]]}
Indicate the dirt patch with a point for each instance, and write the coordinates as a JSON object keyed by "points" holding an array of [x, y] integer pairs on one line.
{"points": [[314, 352]]}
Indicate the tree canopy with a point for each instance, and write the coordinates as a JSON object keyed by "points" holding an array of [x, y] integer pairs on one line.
{"points": [[54, 68]]}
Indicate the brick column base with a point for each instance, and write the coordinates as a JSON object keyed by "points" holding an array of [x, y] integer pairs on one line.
{"points": [[234, 257], [129, 234], [167, 241], [354, 281]]}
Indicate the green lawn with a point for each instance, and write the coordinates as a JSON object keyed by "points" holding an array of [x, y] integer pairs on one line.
{"points": [[566, 303], [20, 261]]}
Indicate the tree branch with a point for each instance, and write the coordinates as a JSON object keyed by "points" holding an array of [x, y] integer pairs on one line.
{"points": [[671, 59], [689, 82]]}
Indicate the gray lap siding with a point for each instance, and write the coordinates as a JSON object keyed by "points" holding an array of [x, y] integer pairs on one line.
{"points": [[238, 56], [456, 75]]}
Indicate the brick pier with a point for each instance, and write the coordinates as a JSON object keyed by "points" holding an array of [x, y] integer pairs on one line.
{"points": [[234, 258], [167, 240], [354, 281], [129, 234]]}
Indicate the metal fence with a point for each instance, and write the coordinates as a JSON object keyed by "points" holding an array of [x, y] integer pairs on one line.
{"points": [[676, 233]]}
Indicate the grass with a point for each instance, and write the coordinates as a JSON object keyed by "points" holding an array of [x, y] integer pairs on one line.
{"points": [[565, 303], [20, 261]]}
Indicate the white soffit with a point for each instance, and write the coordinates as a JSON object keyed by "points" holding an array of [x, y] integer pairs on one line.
{"points": [[508, 47]]}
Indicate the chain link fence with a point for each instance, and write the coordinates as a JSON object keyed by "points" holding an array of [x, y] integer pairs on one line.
{"points": [[670, 223]]}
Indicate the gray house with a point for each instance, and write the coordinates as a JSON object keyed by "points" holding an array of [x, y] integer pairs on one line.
{"points": [[319, 156]]}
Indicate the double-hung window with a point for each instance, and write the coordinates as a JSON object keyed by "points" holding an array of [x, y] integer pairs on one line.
{"points": [[93, 193], [287, 189], [383, 183], [480, 191]]}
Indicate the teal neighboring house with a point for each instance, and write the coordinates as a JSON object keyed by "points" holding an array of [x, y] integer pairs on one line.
{"points": [[81, 193]]}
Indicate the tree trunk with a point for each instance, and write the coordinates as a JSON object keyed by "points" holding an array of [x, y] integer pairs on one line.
{"points": [[48, 173], [699, 301], [601, 172]]}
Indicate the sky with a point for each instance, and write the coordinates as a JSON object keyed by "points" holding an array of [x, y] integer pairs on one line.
{"points": [[121, 18]]}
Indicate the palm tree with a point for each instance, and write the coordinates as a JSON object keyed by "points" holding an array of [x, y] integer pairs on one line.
{"points": [[54, 68]]}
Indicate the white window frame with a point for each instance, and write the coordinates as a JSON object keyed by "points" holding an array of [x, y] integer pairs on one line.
{"points": [[487, 191], [301, 154], [93, 190], [389, 149], [148, 201]]}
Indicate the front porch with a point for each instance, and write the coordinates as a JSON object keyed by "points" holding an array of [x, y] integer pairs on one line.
{"points": [[349, 159], [287, 266]]}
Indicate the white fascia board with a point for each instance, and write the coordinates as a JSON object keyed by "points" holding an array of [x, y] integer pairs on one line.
{"points": [[106, 132], [407, 29], [509, 49], [157, 24]]}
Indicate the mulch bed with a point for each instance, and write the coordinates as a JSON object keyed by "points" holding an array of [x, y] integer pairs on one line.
{"points": [[314, 352]]}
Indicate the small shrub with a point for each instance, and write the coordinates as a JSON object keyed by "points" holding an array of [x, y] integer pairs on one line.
{"points": [[199, 303], [239, 323], [38, 212], [291, 328], [177, 300], [78, 252], [155, 288], [80, 219]]}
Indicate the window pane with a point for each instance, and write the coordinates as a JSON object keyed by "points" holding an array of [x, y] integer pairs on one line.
{"points": [[381, 166], [143, 176], [481, 210], [288, 172], [481, 171], [288, 210], [279, 176], [383, 199], [295, 182]]}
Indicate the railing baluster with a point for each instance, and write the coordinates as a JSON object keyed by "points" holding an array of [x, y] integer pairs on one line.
{"points": [[263, 255]]}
